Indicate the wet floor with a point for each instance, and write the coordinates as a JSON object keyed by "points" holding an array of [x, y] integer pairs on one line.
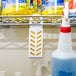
{"points": [[14, 45]]}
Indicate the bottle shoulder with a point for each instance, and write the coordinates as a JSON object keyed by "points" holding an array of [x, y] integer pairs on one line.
{"points": [[63, 55]]}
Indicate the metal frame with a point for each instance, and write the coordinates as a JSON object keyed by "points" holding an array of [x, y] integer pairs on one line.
{"points": [[24, 20]]}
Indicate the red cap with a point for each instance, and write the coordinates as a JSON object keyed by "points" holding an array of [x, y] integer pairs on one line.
{"points": [[65, 29]]}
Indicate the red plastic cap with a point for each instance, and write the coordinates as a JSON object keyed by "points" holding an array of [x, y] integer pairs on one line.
{"points": [[65, 29]]}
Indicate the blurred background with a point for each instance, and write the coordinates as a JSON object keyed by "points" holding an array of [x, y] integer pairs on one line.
{"points": [[14, 48], [14, 43]]}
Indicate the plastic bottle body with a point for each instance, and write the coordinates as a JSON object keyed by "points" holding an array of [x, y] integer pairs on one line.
{"points": [[63, 64], [64, 58], [63, 67]]}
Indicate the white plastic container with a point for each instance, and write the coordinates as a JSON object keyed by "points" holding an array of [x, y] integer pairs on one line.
{"points": [[64, 58], [18, 74], [2, 73]]}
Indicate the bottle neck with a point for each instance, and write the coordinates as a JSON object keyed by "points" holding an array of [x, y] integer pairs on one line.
{"points": [[65, 43], [66, 10]]}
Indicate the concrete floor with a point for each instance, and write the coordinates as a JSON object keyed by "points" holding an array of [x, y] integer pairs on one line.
{"points": [[14, 50]]}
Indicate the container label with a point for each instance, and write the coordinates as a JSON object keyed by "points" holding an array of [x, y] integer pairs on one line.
{"points": [[39, 5], [8, 3], [46, 2], [72, 5], [22, 1], [59, 2], [62, 73], [43, 5], [31, 3]]}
